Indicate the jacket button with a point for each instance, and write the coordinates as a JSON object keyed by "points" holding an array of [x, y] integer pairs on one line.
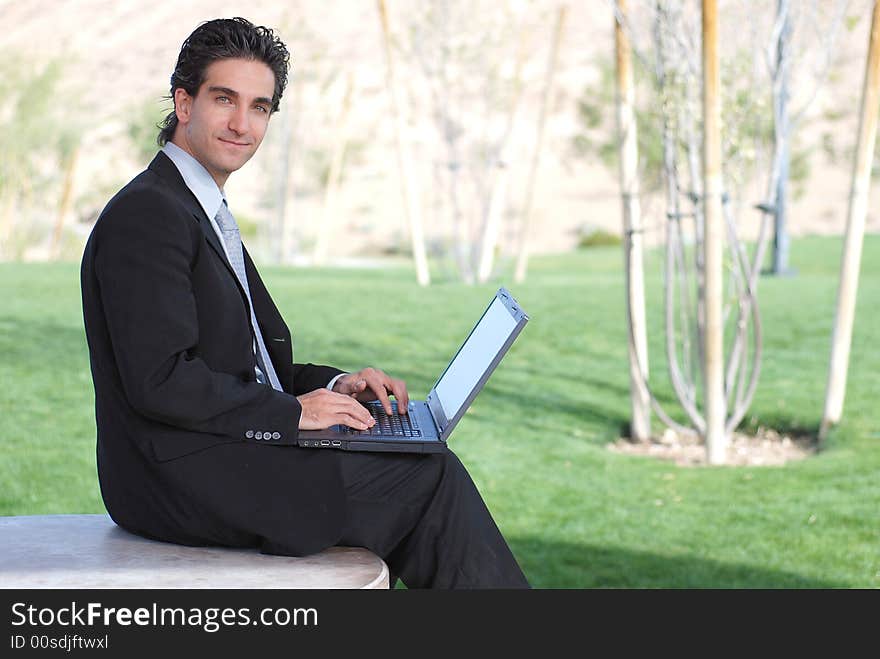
{"points": [[276, 435], [249, 434], [259, 435]]}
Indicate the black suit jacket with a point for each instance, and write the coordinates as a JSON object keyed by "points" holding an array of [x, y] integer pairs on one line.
{"points": [[177, 404]]}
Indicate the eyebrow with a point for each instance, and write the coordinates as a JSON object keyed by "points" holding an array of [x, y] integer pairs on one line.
{"points": [[235, 94]]}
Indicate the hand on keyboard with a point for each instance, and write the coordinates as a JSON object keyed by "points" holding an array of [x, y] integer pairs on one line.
{"points": [[371, 384], [393, 425]]}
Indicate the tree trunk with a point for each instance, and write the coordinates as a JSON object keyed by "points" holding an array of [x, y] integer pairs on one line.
{"points": [[522, 258], [782, 130], [640, 423], [404, 163], [65, 204], [841, 338], [279, 235], [494, 216], [498, 178], [331, 191], [7, 225]]}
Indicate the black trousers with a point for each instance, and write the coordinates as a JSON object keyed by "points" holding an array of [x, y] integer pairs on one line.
{"points": [[423, 515]]}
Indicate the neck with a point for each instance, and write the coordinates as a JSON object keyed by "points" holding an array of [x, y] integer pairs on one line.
{"points": [[179, 140]]}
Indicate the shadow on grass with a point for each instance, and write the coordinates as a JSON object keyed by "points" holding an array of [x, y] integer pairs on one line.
{"points": [[782, 424], [549, 410], [554, 564]]}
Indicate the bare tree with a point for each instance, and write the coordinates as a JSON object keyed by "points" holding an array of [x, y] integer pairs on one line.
{"points": [[284, 238], [640, 424], [855, 229], [39, 138], [303, 140], [412, 208], [469, 57], [334, 174], [522, 258], [780, 61], [68, 164], [712, 322]]}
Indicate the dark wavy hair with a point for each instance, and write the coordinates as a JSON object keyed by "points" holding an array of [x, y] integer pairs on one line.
{"points": [[224, 38]]}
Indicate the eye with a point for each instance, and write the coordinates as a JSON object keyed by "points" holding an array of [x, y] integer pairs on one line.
{"points": [[223, 99], [263, 109]]}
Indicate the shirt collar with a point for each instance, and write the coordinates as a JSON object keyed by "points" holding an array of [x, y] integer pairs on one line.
{"points": [[197, 179]]}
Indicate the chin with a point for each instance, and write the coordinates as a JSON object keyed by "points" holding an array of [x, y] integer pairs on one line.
{"points": [[238, 163], [229, 167]]}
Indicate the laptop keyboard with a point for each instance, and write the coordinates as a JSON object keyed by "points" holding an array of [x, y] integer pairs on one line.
{"points": [[396, 425]]}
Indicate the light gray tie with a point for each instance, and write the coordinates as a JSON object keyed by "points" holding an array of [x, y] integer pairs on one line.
{"points": [[232, 238]]}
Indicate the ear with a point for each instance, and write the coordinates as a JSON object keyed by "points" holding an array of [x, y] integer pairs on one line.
{"points": [[182, 105]]}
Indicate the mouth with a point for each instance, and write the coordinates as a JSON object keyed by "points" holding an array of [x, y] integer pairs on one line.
{"points": [[234, 143]]}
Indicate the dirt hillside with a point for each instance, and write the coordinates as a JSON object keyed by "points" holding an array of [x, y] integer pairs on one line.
{"points": [[118, 56]]}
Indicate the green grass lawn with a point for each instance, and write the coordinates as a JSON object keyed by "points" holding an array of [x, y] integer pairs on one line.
{"points": [[576, 514]]}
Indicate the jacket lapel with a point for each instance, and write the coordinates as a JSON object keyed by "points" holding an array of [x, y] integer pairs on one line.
{"points": [[213, 240], [166, 169]]}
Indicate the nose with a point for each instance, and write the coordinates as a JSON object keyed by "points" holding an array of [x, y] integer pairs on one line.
{"points": [[238, 121]]}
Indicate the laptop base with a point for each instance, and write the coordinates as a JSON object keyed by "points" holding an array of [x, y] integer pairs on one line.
{"points": [[336, 437], [379, 445]]}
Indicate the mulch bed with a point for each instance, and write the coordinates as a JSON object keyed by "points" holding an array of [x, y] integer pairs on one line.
{"points": [[767, 447]]}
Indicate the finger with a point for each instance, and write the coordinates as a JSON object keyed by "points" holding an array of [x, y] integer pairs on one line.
{"points": [[340, 406], [398, 388], [354, 422], [354, 409], [380, 388]]}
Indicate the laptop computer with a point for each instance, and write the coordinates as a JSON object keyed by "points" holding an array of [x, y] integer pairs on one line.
{"points": [[428, 423]]}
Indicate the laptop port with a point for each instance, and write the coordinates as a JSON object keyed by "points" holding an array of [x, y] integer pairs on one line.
{"points": [[335, 443], [325, 442]]}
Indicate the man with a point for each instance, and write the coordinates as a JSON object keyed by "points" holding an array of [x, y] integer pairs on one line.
{"points": [[197, 399]]}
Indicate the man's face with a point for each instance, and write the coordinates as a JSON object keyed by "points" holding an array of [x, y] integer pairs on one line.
{"points": [[223, 125]]}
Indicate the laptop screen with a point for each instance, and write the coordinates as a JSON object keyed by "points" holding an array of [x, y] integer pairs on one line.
{"points": [[474, 357]]}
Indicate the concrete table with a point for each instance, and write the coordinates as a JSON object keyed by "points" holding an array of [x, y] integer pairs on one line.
{"points": [[90, 551]]}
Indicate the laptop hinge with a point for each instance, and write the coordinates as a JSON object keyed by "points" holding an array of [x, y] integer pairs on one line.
{"points": [[429, 403]]}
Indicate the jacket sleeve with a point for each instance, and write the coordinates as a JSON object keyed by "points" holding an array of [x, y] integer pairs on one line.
{"points": [[144, 252]]}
